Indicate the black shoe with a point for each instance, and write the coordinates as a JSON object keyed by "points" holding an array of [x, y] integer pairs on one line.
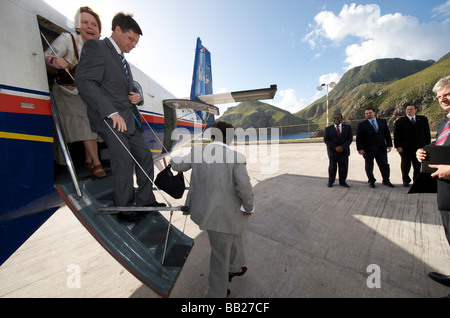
{"points": [[442, 279], [372, 185], [389, 184], [344, 184], [231, 275], [329, 184], [406, 184], [131, 216]]}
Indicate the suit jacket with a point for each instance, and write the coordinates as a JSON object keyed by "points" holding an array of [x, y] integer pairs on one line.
{"points": [[219, 186], [411, 137], [369, 140], [103, 84], [332, 140], [443, 188]]}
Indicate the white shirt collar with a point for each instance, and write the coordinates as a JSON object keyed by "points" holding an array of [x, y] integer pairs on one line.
{"points": [[115, 45]]}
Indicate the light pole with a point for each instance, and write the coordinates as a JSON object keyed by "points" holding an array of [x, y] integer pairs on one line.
{"points": [[320, 88]]}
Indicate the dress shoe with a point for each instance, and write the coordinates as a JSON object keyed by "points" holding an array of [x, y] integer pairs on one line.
{"points": [[389, 184], [231, 275], [344, 184], [131, 216], [442, 279], [372, 185], [406, 185], [329, 184]]}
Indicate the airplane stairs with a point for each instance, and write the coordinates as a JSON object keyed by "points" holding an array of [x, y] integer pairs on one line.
{"points": [[139, 246]]}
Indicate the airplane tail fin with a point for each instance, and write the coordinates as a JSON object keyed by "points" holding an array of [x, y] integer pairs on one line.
{"points": [[202, 90], [202, 77]]}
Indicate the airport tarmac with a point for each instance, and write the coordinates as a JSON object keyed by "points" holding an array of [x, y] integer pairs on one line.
{"points": [[305, 240]]}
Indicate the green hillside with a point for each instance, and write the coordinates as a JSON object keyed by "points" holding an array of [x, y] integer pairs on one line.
{"points": [[387, 85], [257, 114]]}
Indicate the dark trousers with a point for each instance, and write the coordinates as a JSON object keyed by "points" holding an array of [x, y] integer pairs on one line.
{"points": [[382, 162], [123, 168], [336, 161], [446, 222], [409, 158]]}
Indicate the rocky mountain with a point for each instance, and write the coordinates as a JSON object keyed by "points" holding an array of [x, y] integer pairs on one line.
{"points": [[388, 85]]}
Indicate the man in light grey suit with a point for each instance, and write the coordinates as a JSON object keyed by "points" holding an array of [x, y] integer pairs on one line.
{"points": [[220, 200], [105, 82]]}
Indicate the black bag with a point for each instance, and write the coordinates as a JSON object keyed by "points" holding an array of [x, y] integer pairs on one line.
{"points": [[172, 184]]}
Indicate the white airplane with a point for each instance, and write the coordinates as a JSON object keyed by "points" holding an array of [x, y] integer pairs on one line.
{"points": [[151, 249]]}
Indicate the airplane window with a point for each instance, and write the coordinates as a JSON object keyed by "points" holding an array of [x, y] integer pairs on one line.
{"points": [[138, 87]]}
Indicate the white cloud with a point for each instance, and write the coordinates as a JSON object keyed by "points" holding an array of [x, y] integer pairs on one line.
{"points": [[369, 35], [442, 10], [290, 101]]}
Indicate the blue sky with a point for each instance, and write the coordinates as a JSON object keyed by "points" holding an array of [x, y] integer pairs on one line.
{"points": [[296, 44]]}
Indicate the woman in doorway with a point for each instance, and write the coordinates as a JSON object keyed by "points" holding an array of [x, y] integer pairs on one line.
{"points": [[64, 55]]}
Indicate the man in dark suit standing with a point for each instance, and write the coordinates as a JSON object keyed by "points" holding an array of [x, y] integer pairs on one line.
{"points": [[105, 82], [411, 132], [373, 141], [338, 138], [442, 91]]}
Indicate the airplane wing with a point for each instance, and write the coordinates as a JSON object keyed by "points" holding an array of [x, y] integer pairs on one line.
{"points": [[191, 104], [241, 96]]}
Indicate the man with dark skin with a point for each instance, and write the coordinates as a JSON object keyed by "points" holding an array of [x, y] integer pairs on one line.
{"points": [[338, 138]]}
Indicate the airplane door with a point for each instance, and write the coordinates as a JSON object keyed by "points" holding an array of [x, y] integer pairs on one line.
{"points": [[170, 124]]}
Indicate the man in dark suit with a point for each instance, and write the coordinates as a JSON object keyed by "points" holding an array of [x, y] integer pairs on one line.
{"points": [[411, 132], [338, 138], [442, 91], [373, 141], [105, 82]]}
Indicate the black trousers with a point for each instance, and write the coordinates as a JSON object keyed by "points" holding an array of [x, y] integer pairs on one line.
{"points": [[123, 167], [336, 161], [446, 222], [382, 162], [409, 158]]}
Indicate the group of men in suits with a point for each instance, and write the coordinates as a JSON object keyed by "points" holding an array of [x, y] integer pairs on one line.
{"points": [[411, 134], [374, 142]]}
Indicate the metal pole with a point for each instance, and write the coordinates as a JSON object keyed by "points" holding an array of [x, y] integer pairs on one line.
{"points": [[328, 120]]}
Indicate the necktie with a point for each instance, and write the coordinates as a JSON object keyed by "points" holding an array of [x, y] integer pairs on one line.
{"points": [[413, 121], [338, 131], [124, 63], [373, 125], [443, 135]]}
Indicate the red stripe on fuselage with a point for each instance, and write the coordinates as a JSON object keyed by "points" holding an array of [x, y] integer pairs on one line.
{"points": [[24, 105]]}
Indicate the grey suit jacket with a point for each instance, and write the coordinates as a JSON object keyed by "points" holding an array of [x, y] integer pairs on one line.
{"points": [[219, 186], [103, 84]]}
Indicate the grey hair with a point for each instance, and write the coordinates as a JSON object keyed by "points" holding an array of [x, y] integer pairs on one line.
{"points": [[441, 84]]}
